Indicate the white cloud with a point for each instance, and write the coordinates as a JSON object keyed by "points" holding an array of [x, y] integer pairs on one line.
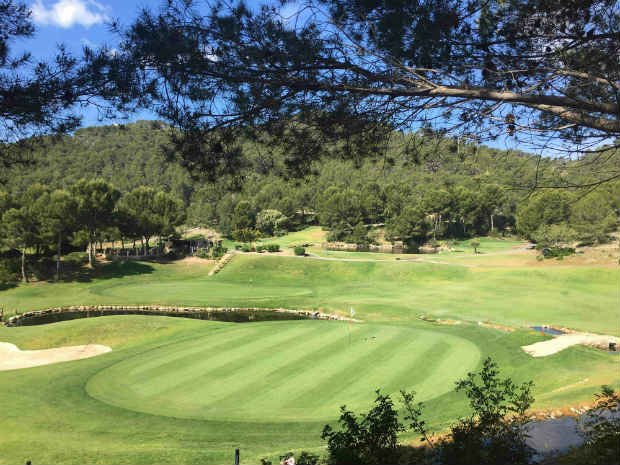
{"points": [[66, 13]]}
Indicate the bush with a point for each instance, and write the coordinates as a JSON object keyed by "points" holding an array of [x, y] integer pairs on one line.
{"points": [[261, 248], [495, 431], [218, 252], [202, 253], [602, 434], [304, 458], [558, 252], [246, 234], [299, 251], [76, 257], [273, 247], [246, 248], [371, 439], [9, 270], [271, 222]]}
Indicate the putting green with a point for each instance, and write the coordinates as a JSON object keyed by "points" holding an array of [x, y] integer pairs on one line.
{"points": [[284, 371]]}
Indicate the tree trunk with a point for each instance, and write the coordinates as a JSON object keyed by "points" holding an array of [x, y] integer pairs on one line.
{"points": [[90, 249], [491, 223], [24, 277], [58, 257]]}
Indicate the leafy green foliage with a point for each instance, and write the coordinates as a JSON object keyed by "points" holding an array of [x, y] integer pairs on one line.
{"points": [[273, 247], [494, 433], [371, 439], [246, 234], [554, 235], [602, 431], [410, 226], [271, 222], [299, 251]]}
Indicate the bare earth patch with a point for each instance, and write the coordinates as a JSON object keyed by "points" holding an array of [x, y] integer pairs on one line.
{"points": [[11, 358], [564, 341]]}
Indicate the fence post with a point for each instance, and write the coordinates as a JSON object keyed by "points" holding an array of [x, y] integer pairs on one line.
{"points": [[236, 456]]}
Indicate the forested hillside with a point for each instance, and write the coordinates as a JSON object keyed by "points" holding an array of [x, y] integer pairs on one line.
{"points": [[422, 187]]}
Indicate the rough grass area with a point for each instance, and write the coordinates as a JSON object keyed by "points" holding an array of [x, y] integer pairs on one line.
{"points": [[188, 391], [579, 297]]}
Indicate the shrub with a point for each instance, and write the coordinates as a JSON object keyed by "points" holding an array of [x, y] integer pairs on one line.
{"points": [[76, 257], [299, 251], [602, 432], [246, 234], [273, 247], [558, 252], [246, 248], [261, 248], [495, 431], [218, 252], [9, 270], [203, 253], [369, 439], [271, 222]]}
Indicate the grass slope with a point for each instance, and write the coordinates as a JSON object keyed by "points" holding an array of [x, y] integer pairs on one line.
{"points": [[579, 297]]}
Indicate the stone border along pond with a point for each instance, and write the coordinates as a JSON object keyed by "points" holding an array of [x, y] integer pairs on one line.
{"points": [[229, 314]]}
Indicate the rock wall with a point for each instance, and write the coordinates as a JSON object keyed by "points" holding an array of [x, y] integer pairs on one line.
{"points": [[85, 311]]}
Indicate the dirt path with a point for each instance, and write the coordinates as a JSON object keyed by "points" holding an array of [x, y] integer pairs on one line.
{"points": [[564, 341], [11, 358]]}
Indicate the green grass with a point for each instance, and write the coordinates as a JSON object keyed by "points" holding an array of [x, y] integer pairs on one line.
{"points": [[291, 371], [314, 235], [189, 391], [583, 298], [186, 391]]}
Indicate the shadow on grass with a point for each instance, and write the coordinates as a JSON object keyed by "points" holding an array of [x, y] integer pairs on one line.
{"points": [[117, 269], [7, 286]]}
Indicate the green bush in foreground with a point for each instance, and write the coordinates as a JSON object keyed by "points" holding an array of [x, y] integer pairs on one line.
{"points": [[299, 251], [493, 434], [602, 432]]}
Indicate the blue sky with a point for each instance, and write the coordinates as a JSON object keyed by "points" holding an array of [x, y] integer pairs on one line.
{"points": [[75, 23]]}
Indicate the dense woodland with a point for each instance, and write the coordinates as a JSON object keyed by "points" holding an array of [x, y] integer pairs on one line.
{"points": [[422, 188]]}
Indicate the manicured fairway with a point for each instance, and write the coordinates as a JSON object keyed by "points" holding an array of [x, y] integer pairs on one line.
{"points": [[285, 371]]}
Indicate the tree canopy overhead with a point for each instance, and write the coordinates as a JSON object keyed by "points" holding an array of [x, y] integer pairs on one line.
{"points": [[359, 71], [45, 97]]}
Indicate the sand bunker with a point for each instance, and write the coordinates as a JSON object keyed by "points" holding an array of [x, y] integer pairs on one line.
{"points": [[11, 358], [564, 341]]}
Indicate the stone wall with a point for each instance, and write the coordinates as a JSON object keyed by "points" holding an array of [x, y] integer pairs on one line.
{"points": [[347, 247], [85, 311]]}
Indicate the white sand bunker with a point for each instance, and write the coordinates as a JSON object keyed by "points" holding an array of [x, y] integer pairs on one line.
{"points": [[11, 358], [564, 341]]}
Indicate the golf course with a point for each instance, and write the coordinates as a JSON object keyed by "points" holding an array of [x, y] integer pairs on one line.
{"points": [[181, 390]]}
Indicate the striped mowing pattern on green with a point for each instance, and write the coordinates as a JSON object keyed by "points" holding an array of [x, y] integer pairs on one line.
{"points": [[284, 370]]}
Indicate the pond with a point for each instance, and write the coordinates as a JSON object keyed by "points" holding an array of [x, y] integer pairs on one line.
{"points": [[547, 330], [226, 315]]}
